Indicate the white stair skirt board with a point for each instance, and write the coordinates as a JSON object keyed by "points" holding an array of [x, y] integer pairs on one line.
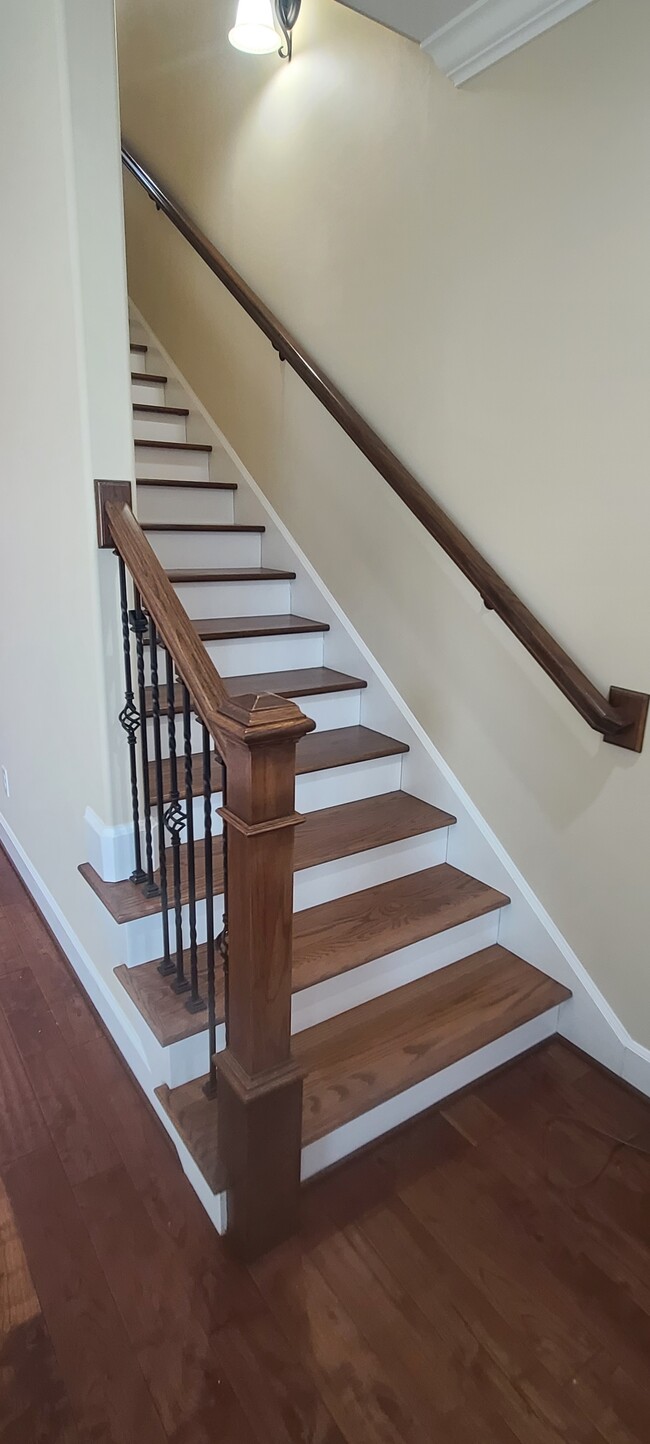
{"points": [[185, 504], [151, 393], [181, 1062], [176, 549], [380, 1120], [158, 428], [110, 850]]}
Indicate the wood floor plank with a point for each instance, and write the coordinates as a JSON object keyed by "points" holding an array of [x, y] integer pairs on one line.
{"points": [[456, 1282], [22, 1127], [105, 1385], [34, 1405], [31, 1020]]}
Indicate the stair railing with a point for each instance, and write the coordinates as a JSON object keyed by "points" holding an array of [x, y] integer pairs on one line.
{"points": [[621, 716], [247, 752]]}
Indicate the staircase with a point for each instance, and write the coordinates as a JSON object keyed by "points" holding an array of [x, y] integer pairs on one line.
{"points": [[401, 991]]}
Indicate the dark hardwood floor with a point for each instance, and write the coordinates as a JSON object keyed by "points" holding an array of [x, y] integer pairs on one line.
{"points": [[482, 1277]]}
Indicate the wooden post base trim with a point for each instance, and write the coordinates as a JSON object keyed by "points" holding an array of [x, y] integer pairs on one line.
{"points": [[249, 1087], [254, 829], [260, 1130]]}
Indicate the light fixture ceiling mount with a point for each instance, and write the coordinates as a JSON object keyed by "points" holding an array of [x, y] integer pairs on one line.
{"points": [[258, 22]]}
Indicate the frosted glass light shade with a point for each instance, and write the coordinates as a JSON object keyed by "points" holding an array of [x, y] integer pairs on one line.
{"points": [[253, 30]]}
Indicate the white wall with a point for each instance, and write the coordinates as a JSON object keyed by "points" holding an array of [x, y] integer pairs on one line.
{"points": [[64, 396], [471, 268]]}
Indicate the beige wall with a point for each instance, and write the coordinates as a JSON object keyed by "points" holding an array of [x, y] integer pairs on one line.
{"points": [[471, 268], [65, 348]]}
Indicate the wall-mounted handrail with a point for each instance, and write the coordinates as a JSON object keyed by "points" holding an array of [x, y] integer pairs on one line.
{"points": [[621, 716]]}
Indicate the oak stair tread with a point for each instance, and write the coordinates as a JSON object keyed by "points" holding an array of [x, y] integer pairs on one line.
{"points": [[302, 682], [149, 376], [230, 574], [317, 752], [186, 481], [360, 1059], [173, 445], [186, 526], [138, 346], [443, 899], [329, 833], [160, 410]]}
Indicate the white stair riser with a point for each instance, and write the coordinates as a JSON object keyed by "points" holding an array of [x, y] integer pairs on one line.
{"points": [[142, 939], [267, 654], [157, 461], [347, 875], [138, 360], [329, 712], [187, 1060], [207, 549], [158, 428], [151, 393], [377, 1121], [233, 599], [185, 504]]}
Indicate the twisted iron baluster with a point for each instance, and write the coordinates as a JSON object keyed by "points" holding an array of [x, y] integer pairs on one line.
{"points": [[139, 626], [165, 965], [175, 822], [130, 721], [195, 1002], [211, 1084]]}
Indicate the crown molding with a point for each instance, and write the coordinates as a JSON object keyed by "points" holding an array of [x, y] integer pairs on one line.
{"points": [[486, 31]]}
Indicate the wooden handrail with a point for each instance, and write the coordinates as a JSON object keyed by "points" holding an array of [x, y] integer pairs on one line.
{"points": [[621, 716]]}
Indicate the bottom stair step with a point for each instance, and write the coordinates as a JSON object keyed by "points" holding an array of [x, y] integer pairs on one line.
{"points": [[359, 1059]]}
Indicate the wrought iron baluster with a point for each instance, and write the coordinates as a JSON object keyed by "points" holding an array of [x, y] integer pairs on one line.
{"points": [[139, 626], [195, 1002], [165, 965], [211, 1084], [175, 822], [130, 721], [222, 940]]}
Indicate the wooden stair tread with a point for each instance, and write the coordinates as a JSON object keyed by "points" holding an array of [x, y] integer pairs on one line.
{"points": [[332, 832], [317, 752], [154, 410], [173, 445], [198, 525], [148, 376], [195, 1118], [186, 482], [230, 574], [336, 832], [214, 629], [303, 682], [360, 1059], [350, 931], [138, 346]]}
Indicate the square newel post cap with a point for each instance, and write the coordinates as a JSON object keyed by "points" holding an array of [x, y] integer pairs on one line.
{"points": [[256, 720]]}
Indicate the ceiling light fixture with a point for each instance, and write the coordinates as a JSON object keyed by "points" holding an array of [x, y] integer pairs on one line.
{"points": [[257, 23]]}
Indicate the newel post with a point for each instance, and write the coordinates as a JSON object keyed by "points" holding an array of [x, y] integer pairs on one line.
{"points": [[259, 1088]]}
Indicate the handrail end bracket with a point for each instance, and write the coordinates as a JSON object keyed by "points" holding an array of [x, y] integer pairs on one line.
{"points": [[633, 707]]}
